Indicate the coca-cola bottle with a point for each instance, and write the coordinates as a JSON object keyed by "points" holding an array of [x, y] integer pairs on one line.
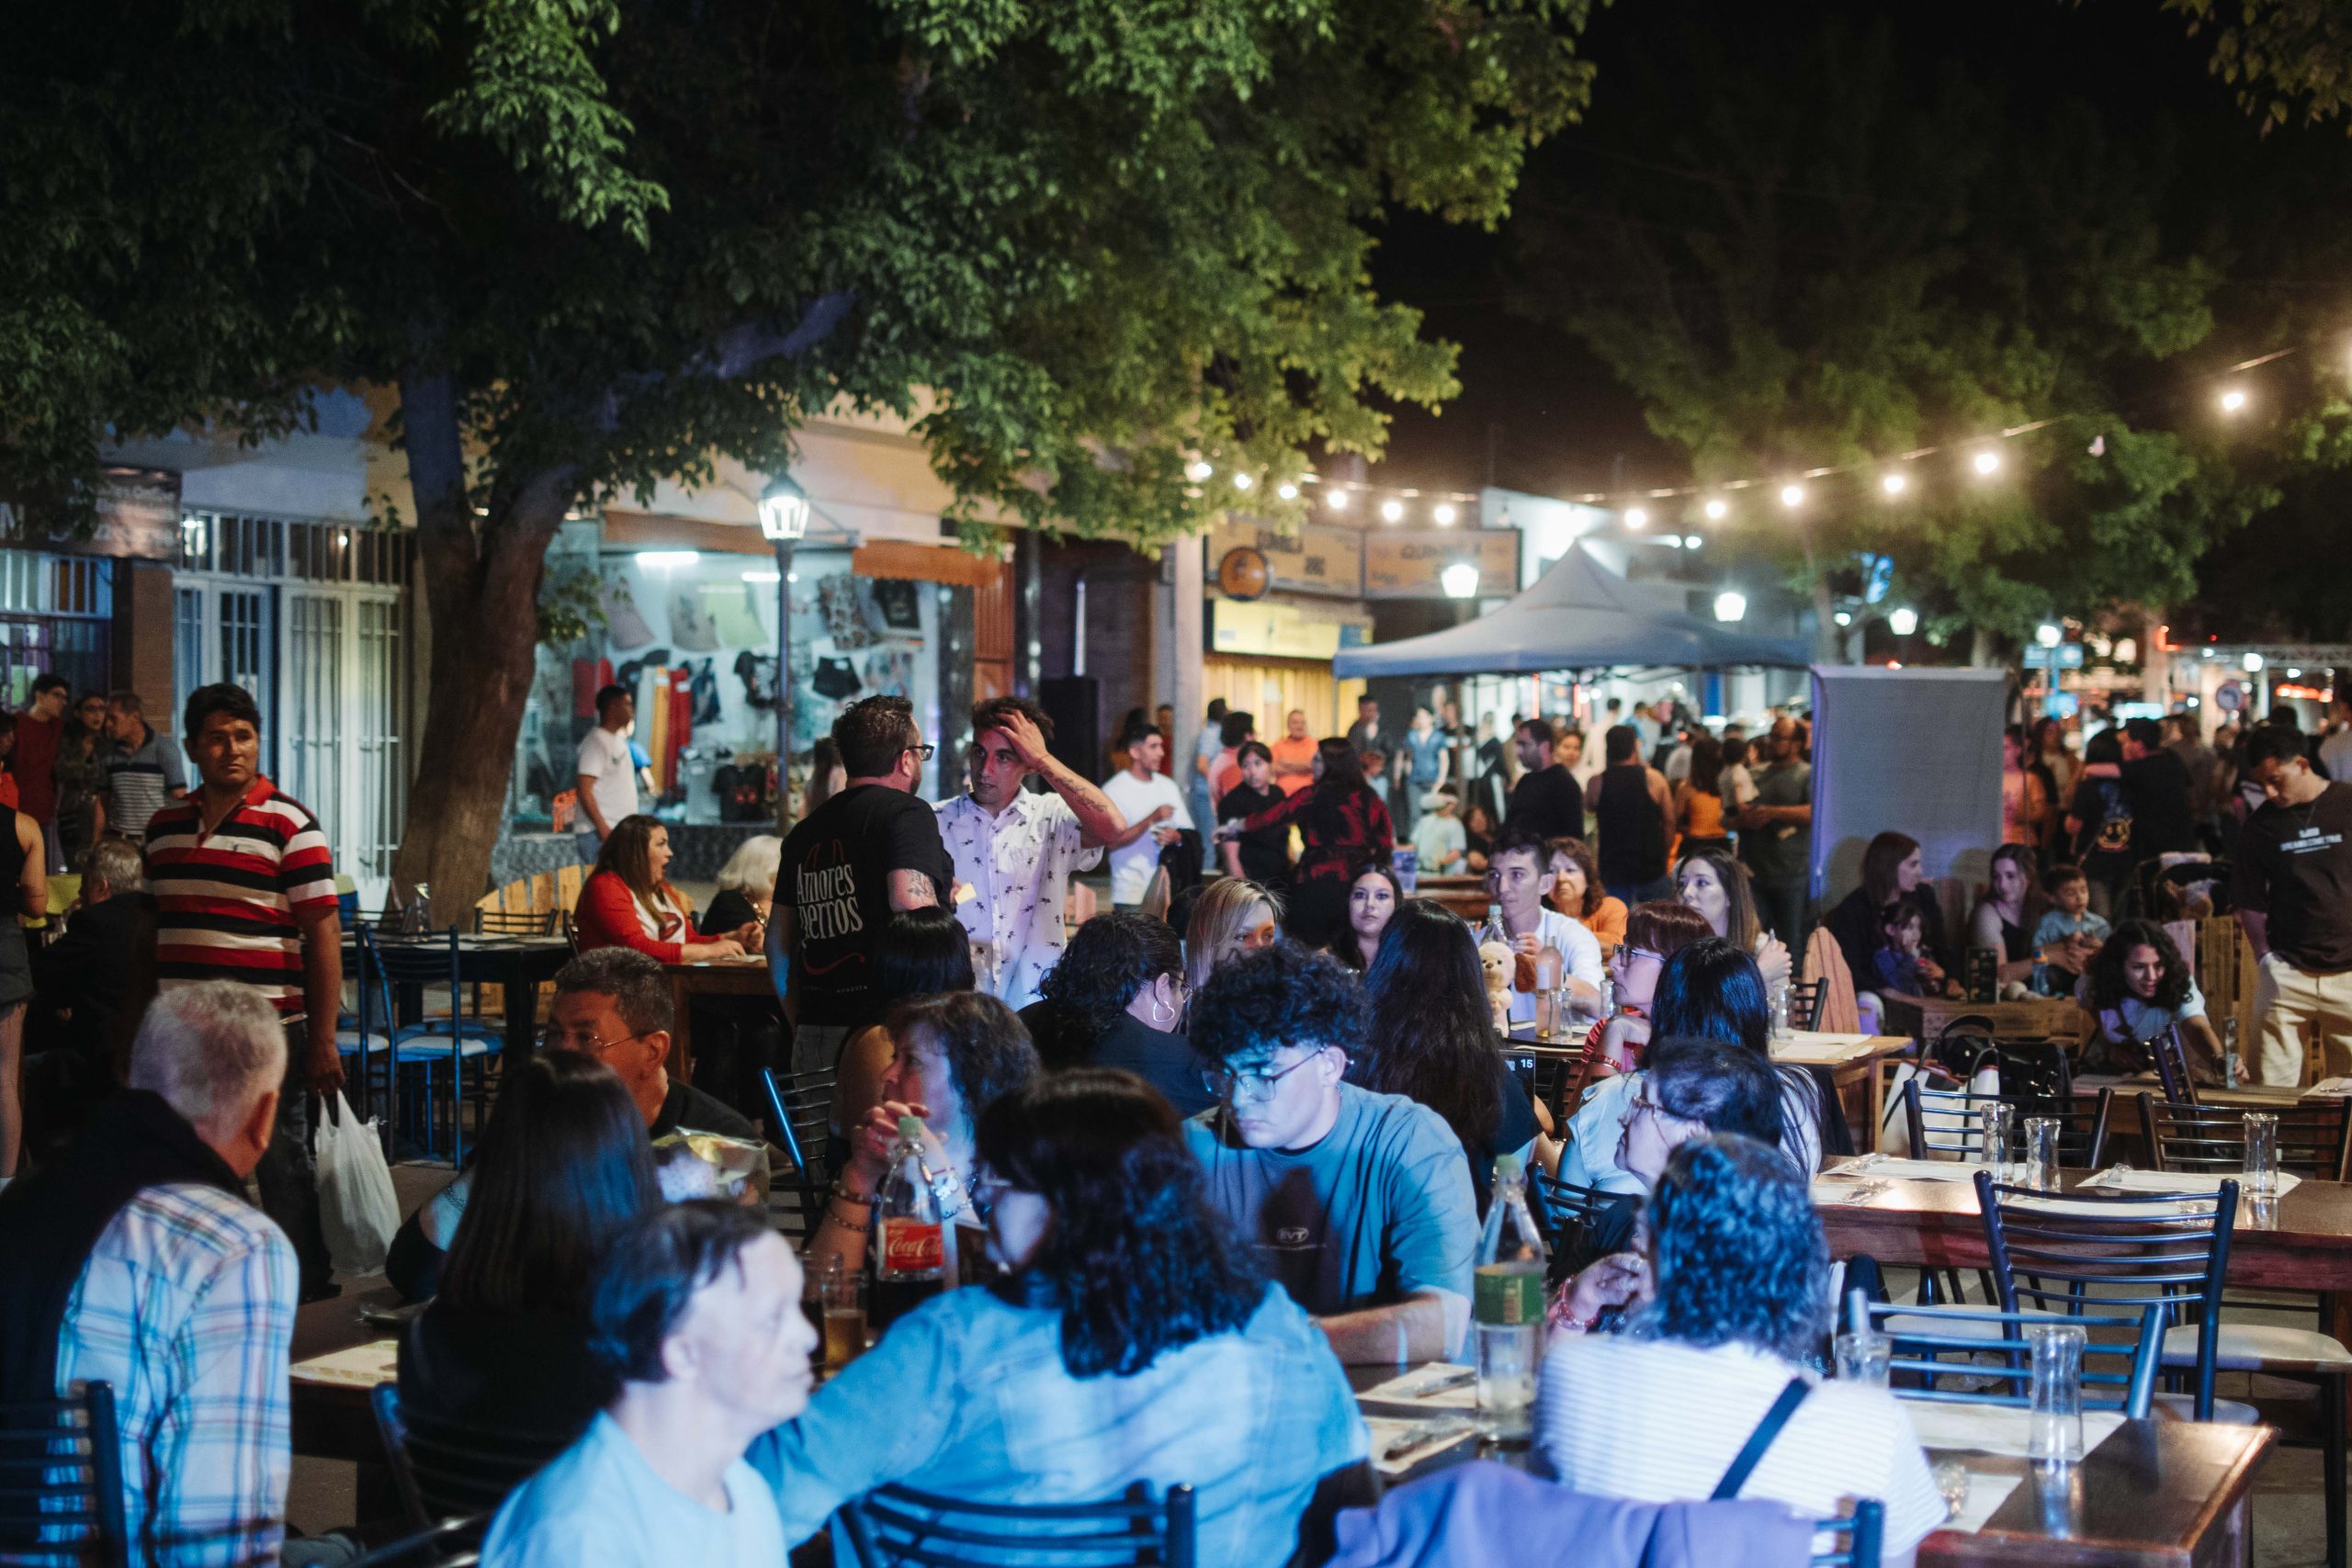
{"points": [[909, 1244]]}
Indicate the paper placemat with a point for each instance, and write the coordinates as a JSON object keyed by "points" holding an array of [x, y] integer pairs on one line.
{"points": [[1991, 1428], [1414, 1388], [1987, 1490], [1886, 1168], [2121, 1179], [1389, 1430], [1826, 1050], [361, 1366]]}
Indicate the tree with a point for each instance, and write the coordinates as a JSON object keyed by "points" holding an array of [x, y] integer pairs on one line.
{"points": [[2281, 55], [1801, 259], [597, 243]]}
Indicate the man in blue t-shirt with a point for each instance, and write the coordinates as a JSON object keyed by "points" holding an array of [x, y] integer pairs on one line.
{"points": [[1358, 1203]]}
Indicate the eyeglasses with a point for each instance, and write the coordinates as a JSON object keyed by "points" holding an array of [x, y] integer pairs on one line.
{"points": [[1626, 956], [922, 752], [1642, 1105], [555, 1039], [1226, 1084]]}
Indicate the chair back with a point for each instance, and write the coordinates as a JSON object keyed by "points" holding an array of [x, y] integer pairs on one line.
{"points": [[515, 922], [1946, 1123], [2112, 1252], [1807, 999], [897, 1526], [60, 1482], [2314, 1137], [1864, 1532], [1933, 1343], [2172, 1067], [441, 1470], [453, 1543], [800, 1105], [1565, 1211], [1963, 1045]]}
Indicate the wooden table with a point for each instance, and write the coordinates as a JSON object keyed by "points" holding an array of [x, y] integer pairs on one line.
{"points": [[335, 1422], [746, 976], [2037, 1018], [517, 964], [2158, 1494], [1465, 895], [1852, 1061]]}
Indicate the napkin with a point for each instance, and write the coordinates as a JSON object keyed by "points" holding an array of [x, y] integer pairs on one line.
{"points": [[1412, 1389], [1991, 1428], [1387, 1429], [361, 1366], [2121, 1179], [1883, 1168]]}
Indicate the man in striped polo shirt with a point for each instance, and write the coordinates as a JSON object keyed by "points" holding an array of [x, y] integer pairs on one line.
{"points": [[244, 892], [143, 773]]}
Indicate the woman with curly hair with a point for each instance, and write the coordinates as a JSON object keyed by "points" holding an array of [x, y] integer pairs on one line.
{"points": [[1577, 894], [1431, 1038], [1729, 1305], [1128, 1340], [1374, 896], [2137, 988], [1119, 995]]}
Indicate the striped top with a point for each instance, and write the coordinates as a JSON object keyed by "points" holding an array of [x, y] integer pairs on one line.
{"points": [[226, 902], [140, 781]]}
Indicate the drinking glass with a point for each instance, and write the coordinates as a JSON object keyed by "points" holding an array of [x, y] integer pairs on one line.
{"points": [[1999, 1135], [2041, 1152], [845, 1318], [2054, 1434], [2261, 1154], [1863, 1357]]}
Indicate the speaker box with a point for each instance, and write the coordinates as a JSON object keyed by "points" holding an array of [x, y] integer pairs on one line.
{"points": [[1075, 704]]}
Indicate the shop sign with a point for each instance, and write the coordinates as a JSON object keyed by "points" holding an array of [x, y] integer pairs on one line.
{"points": [[1410, 563], [1270, 629], [1315, 559], [138, 515]]}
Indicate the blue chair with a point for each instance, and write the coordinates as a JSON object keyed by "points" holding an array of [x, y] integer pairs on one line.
{"points": [[2118, 1373], [61, 1483], [454, 1543], [897, 1526], [455, 1038], [800, 1109], [1864, 1529]]}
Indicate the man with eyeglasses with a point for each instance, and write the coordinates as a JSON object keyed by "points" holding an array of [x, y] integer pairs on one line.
{"points": [[1359, 1204], [871, 851]]}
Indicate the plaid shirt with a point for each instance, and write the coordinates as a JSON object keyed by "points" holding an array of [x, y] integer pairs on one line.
{"points": [[186, 1307]]}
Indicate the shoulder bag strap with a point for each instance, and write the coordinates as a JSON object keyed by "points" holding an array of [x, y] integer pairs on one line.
{"points": [[1760, 1439]]}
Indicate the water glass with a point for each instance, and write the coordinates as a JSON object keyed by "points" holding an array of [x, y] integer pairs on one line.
{"points": [[2261, 1154], [1999, 1138], [2041, 1152], [844, 1317], [2054, 1432], [1863, 1357]]}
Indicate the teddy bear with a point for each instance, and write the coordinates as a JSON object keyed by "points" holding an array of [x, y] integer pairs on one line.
{"points": [[1497, 961]]}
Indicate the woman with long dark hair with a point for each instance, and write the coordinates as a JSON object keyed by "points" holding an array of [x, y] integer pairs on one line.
{"points": [[1340, 823], [923, 953], [1110, 1352], [1729, 1304], [1432, 1037], [2137, 988], [2012, 909], [1892, 868], [628, 901], [1374, 897], [563, 1165], [1712, 882]]}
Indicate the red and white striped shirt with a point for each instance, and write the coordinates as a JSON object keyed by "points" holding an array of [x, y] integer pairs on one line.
{"points": [[226, 901]]}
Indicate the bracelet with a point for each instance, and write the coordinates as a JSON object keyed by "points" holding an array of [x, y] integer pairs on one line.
{"points": [[846, 1196], [855, 1227]]}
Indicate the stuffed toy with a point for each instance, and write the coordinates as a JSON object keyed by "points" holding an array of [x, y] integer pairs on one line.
{"points": [[1497, 961]]}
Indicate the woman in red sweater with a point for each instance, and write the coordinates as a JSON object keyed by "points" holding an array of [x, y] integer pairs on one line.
{"points": [[629, 902]]}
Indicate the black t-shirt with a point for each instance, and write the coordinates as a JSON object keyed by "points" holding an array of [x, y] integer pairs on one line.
{"points": [[836, 872], [1514, 1131], [1165, 1060], [1548, 803], [1265, 853], [2158, 788], [2294, 865], [686, 1106]]}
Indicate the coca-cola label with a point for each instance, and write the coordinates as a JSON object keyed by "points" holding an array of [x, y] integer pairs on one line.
{"points": [[912, 1246]]}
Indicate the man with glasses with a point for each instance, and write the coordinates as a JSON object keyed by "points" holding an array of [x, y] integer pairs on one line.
{"points": [[614, 1003], [871, 851], [1359, 1204]]}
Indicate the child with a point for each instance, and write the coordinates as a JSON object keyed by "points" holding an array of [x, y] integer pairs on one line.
{"points": [[1439, 842], [2070, 925], [1901, 965]]}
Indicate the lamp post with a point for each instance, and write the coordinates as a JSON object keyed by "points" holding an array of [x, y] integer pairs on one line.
{"points": [[784, 520]]}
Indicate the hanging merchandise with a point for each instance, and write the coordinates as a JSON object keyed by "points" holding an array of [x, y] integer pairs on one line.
{"points": [[835, 678], [690, 625], [735, 613], [705, 694], [895, 598], [632, 674], [681, 720], [625, 624], [589, 676], [890, 672], [757, 672], [844, 611]]}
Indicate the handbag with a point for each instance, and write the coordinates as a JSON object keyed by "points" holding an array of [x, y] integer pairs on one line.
{"points": [[357, 1207]]}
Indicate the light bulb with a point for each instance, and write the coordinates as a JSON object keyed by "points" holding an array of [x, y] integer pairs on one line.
{"points": [[1904, 621], [2234, 400], [1894, 484], [1242, 481], [1335, 499], [1792, 495], [2048, 635], [2251, 664], [1445, 513], [1986, 463], [1844, 617], [1199, 468], [1730, 604], [1392, 512], [1287, 491], [1637, 518], [1717, 509]]}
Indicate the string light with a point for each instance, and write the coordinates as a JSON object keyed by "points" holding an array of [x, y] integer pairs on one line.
{"points": [[1242, 481], [1336, 500], [1445, 513], [1637, 518], [1199, 469], [1986, 464], [1392, 512], [1791, 496], [1894, 484], [1287, 490], [1718, 508], [2234, 400]]}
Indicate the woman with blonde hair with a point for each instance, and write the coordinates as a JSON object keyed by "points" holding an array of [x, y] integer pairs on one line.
{"points": [[1231, 915], [746, 885], [629, 901]]}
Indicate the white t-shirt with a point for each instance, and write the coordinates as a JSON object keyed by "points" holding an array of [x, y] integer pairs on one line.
{"points": [[1658, 1421], [1131, 868], [1578, 948], [599, 1505], [605, 759]]}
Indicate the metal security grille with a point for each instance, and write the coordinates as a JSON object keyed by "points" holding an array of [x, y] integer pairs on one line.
{"points": [[56, 616]]}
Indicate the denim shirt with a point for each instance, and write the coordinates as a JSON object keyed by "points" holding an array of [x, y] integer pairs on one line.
{"points": [[968, 1396]]}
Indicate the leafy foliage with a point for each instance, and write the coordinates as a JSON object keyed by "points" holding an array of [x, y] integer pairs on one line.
{"points": [[2288, 58]]}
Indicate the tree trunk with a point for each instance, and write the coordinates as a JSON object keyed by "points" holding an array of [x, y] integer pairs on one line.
{"points": [[1983, 648], [1828, 648], [481, 590]]}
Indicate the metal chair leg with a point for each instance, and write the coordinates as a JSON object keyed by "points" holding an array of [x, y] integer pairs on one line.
{"points": [[2332, 1391]]}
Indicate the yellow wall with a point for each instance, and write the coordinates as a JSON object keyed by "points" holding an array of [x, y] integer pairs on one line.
{"points": [[1270, 688]]}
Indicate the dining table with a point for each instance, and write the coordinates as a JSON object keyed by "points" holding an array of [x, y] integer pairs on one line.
{"points": [[2148, 1494], [516, 965], [743, 976], [2032, 1018]]}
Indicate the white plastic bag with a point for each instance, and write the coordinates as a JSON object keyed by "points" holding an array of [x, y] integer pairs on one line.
{"points": [[357, 1207]]}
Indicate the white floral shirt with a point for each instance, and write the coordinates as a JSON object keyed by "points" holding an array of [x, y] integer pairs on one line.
{"points": [[1018, 863]]}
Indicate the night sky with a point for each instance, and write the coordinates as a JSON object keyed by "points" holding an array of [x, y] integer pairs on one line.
{"points": [[1557, 419]]}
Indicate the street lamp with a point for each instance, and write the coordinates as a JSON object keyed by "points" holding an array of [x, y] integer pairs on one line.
{"points": [[784, 521], [1731, 604], [1460, 580], [1903, 622], [2048, 635]]}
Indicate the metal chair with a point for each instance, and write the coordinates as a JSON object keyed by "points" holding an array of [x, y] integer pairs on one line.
{"points": [[800, 1105], [441, 1470], [61, 1483], [2172, 1067], [515, 922], [1566, 1211], [1949, 1124], [892, 1527], [2099, 1251], [1864, 1531], [456, 1038], [2119, 1373], [2314, 1137], [454, 1543], [1806, 1000]]}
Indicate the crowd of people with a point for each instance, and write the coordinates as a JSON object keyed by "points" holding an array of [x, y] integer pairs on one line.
{"points": [[1194, 1156]]}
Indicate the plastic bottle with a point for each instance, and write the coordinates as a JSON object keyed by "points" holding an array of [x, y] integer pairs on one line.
{"points": [[2230, 1051], [1507, 1308], [909, 1244]]}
